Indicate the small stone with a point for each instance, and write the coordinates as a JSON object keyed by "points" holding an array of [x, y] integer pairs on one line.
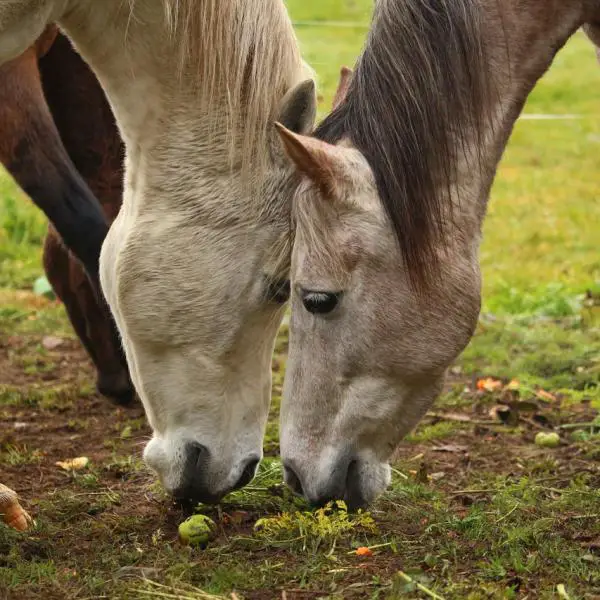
{"points": [[51, 342]]}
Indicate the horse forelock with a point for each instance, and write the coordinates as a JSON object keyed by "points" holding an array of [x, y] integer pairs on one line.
{"points": [[239, 57], [419, 100]]}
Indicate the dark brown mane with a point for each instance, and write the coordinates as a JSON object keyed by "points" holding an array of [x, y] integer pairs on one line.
{"points": [[419, 95]]}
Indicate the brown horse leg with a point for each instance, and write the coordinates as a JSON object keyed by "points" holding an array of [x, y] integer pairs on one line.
{"points": [[90, 136], [593, 32], [73, 288], [32, 151]]}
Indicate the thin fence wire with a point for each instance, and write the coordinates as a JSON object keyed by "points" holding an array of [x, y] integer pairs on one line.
{"points": [[333, 24]]}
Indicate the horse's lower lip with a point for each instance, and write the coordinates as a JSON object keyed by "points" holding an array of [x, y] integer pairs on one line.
{"points": [[187, 501]]}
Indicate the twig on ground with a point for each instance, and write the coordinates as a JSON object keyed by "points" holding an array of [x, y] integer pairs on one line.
{"points": [[488, 491], [510, 512], [568, 490], [590, 425], [533, 423], [375, 547], [157, 594], [171, 593], [457, 418], [419, 586], [399, 473]]}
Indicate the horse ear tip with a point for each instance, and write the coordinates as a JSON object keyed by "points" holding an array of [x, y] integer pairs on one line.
{"points": [[283, 131]]}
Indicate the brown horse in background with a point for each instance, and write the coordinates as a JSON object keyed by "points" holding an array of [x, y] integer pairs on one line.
{"points": [[59, 140]]}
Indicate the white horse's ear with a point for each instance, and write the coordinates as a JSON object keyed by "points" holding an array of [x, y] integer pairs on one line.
{"points": [[317, 160], [343, 86], [299, 108]]}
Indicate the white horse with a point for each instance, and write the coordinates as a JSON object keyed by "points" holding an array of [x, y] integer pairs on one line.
{"points": [[385, 267], [192, 265]]}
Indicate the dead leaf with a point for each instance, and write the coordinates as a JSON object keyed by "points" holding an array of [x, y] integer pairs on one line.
{"points": [[543, 395], [51, 342], [489, 384], [451, 448], [458, 417], [237, 517], [513, 385], [74, 464], [364, 551]]}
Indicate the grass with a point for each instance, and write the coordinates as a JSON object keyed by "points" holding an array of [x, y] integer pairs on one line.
{"points": [[476, 510]]}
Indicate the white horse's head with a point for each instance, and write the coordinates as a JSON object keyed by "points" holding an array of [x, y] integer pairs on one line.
{"points": [[195, 265], [199, 302], [194, 268]]}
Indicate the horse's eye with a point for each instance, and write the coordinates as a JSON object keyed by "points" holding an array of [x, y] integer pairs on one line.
{"points": [[279, 291], [319, 303]]}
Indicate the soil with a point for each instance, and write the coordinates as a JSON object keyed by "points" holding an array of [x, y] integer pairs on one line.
{"points": [[85, 424]]}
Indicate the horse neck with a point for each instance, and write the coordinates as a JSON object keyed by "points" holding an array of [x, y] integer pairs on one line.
{"points": [[176, 138], [522, 39]]}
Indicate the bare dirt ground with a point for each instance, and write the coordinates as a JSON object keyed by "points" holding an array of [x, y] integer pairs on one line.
{"points": [[461, 475]]}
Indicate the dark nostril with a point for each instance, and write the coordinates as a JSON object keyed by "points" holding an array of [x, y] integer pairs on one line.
{"points": [[247, 474], [354, 495], [292, 479], [197, 456], [193, 485]]}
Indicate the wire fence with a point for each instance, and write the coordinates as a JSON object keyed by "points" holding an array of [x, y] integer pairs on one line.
{"points": [[333, 24]]}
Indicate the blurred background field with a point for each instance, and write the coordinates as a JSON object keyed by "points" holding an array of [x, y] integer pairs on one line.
{"points": [[533, 525], [540, 245]]}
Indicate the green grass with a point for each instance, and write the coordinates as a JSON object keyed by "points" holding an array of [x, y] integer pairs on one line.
{"points": [[476, 510]]}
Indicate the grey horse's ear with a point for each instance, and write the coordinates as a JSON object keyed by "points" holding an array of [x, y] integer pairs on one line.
{"points": [[343, 86], [319, 161], [299, 108]]}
